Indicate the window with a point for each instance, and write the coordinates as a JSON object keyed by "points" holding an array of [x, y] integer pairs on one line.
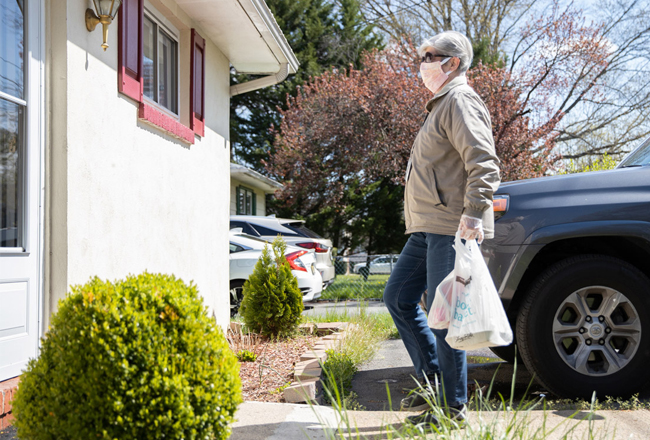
{"points": [[246, 228], [264, 231], [159, 64], [246, 201], [12, 123], [149, 54], [235, 248], [301, 229]]}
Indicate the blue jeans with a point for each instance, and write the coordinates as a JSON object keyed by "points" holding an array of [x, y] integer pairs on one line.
{"points": [[424, 262]]}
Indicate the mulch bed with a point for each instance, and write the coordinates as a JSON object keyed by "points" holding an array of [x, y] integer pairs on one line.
{"points": [[264, 379]]}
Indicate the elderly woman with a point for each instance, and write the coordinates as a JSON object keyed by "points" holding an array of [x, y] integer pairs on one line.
{"points": [[450, 178]]}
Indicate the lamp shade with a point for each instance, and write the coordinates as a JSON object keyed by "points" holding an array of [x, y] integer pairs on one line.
{"points": [[107, 7]]}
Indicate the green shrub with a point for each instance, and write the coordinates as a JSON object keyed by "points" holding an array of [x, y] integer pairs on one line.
{"points": [[338, 370], [246, 356], [272, 302], [135, 359]]}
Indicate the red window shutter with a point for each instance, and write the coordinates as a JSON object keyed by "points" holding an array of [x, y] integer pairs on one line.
{"points": [[129, 69], [197, 84]]}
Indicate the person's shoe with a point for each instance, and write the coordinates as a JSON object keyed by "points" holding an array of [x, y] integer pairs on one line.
{"points": [[457, 414], [415, 402], [420, 398]]}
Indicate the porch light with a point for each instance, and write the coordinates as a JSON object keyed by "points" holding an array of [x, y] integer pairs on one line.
{"points": [[104, 13]]}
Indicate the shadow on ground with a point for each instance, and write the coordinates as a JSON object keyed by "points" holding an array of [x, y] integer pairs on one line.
{"points": [[390, 373]]}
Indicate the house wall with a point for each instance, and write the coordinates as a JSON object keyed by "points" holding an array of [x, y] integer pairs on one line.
{"points": [[125, 197], [260, 197]]}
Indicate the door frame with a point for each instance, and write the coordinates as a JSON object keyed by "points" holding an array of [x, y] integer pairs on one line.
{"points": [[33, 163]]}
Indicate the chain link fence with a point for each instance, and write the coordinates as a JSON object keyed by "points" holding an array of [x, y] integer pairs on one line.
{"points": [[360, 277]]}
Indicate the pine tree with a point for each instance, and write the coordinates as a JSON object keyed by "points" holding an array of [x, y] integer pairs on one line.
{"points": [[272, 303], [322, 36]]}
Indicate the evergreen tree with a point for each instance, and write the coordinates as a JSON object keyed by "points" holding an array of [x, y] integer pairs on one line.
{"points": [[272, 303], [321, 35]]}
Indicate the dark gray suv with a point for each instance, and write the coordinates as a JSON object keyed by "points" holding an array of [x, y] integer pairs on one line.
{"points": [[571, 261]]}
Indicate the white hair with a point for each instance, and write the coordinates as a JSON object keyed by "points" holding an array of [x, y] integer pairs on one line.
{"points": [[450, 43]]}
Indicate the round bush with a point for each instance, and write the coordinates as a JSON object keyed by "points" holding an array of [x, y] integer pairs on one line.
{"points": [[134, 359]]}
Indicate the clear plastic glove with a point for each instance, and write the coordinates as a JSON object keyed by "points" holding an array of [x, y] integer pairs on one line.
{"points": [[471, 228]]}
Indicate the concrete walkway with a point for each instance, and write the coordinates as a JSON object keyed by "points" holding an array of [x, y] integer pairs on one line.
{"points": [[391, 369], [277, 421]]}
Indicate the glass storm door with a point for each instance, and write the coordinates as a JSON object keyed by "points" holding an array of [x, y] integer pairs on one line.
{"points": [[20, 170]]}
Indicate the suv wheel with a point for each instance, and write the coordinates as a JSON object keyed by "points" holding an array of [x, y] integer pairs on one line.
{"points": [[580, 328], [236, 295]]}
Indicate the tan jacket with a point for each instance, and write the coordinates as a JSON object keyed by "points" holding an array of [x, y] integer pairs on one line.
{"points": [[453, 168]]}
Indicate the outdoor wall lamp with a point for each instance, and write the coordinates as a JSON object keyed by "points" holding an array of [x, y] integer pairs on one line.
{"points": [[104, 13]]}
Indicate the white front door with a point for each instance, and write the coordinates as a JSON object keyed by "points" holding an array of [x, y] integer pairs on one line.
{"points": [[20, 182]]}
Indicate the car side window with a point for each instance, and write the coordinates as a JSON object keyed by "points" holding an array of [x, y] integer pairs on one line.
{"points": [[246, 228], [235, 248]]}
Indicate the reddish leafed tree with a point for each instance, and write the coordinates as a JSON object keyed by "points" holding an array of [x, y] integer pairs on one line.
{"points": [[348, 128]]}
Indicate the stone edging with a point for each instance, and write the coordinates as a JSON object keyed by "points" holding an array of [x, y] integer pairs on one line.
{"points": [[306, 386]]}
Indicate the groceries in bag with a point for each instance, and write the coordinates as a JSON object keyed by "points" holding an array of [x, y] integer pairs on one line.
{"points": [[476, 315]]}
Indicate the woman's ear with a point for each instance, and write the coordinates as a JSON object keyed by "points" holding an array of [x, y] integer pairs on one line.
{"points": [[452, 65]]}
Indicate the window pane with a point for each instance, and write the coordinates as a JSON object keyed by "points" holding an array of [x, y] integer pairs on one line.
{"points": [[11, 47], [249, 204], [246, 228], [148, 57], [11, 122], [167, 77]]}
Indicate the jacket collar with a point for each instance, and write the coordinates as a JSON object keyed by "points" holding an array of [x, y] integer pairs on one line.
{"points": [[458, 81]]}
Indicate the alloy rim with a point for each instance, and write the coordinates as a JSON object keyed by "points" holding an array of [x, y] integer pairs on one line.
{"points": [[597, 331]]}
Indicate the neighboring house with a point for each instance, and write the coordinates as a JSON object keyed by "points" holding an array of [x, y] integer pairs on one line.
{"points": [[248, 190], [115, 162]]}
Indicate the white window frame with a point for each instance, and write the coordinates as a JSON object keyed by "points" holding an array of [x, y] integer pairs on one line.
{"points": [[163, 23]]}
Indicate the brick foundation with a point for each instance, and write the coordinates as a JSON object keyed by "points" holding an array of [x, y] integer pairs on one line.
{"points": [[7, 390]]}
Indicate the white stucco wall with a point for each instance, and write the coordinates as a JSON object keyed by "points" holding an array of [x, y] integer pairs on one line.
{"points": [[123, 196]]}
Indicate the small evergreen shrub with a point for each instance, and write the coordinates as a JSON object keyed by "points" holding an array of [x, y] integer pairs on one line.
{"points": [[272, 302], [135, 359], [246, 356]]}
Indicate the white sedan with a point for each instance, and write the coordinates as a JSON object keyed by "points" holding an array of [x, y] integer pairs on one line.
{"points": [[245, 250], [380, 265]]}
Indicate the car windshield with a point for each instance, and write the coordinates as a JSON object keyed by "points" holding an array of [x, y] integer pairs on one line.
{"points": [[638, 157]]}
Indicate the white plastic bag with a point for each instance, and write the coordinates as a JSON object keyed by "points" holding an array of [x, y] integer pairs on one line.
{"points": [[446, 292], [441, 307], [477, 318]]}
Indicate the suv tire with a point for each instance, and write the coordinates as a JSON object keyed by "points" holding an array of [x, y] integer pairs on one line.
{"points": [[585, 326]]}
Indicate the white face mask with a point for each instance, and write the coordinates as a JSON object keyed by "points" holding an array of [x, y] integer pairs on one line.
{"points": [[433, 76]]}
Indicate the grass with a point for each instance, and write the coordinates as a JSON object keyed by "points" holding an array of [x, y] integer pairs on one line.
{"points": [[526, 420], [379, 326], [347, 287]]}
